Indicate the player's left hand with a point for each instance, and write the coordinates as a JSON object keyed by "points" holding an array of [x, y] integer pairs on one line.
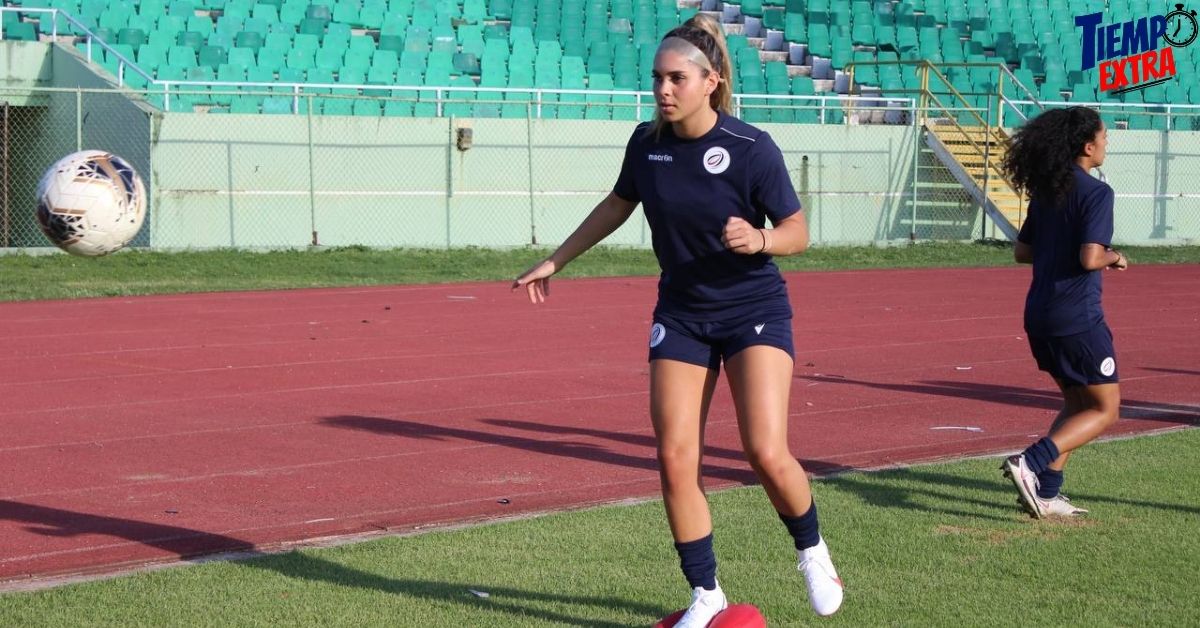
{"points": [[742, 238]]}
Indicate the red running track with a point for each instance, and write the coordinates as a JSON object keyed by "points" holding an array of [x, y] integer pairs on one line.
{"points": [[141, 430]]}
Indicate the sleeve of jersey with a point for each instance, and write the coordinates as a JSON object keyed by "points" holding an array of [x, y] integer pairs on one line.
{"points": [[626, 186], [771, 187], [1098, 217]]}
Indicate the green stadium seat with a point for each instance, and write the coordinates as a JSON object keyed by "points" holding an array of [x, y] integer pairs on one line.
{"points": [[363, 44], [398, 108], [202, 24], [132, 37], [292, 14], [304, 42], [181, 57], [321, 77], [356, 62], [379, 75], [310, 26], [266, 12], [337, 33], [182, 8], [246, 104], [346, 13], [328, 59], [190, 39], [395, 43], [243, 57], [372, 17], [466, 63], [301, 58], [212, 56], [386, 60], [254, 41], [278, 104]]}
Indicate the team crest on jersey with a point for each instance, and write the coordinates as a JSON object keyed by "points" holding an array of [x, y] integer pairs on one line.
{"points": [[716, 160]]}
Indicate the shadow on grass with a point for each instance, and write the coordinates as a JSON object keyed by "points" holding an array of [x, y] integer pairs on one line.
{"points": [[937, 492], [188, 543], [959, 496], [1024, 397]]}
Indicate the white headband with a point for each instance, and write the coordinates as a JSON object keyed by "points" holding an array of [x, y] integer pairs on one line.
{"points": [[687, 49]]}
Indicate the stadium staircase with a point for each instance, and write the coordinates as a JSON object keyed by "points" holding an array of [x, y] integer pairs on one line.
{"points": [[973, 154]]}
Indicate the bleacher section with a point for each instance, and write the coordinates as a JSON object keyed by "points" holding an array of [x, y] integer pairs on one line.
{"points": [[406, 49]]}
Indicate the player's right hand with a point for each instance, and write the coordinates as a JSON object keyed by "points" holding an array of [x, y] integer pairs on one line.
{"points": [[1122, 262], [537, 280]]}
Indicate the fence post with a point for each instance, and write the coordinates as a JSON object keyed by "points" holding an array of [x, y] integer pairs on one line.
{"points": [[449, 167], [987, 171], [312, 192], [78, 119], [529, 168], [4, 182], [916, 165]]}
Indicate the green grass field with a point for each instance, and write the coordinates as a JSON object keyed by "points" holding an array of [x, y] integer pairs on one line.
{"points": [[938, 545], [141, 272]]}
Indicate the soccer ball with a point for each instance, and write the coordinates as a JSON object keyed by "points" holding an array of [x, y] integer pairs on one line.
{"points": [[91, 203]]}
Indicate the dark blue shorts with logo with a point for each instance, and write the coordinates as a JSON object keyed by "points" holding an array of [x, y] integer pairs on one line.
{"points": [[1083, 359], [708, 344]]}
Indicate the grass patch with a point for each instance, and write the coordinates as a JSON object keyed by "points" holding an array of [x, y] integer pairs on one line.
{"points": [[135, 272], [938, 545]]}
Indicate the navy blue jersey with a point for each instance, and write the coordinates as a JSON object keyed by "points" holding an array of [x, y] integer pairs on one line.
{"points": [[1064, 298], [689, 188]]}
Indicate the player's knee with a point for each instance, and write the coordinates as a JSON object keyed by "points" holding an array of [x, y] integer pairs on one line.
{"points": [[769, 462], [678, 463], [1107, 403]]}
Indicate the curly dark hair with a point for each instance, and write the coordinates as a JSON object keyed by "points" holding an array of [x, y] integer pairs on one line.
{"points": [[1041, 156]]}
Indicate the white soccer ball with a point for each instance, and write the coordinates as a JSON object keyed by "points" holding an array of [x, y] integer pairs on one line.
{"points": [[91, 203]]}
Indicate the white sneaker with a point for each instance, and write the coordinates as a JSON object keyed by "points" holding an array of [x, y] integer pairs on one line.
{"points": [[1015, 469], [824, 585], [1059, 506], [705, 605]]}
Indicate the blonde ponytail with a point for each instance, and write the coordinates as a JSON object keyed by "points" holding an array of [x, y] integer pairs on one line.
{"points": [[722, 98]]}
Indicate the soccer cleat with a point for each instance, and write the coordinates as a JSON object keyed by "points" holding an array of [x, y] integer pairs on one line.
{"points": [[704, 607], [824, 585], [1014, 468], [1059, 506]]}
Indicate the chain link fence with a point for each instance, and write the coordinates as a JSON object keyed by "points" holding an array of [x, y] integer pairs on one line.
{"points": [[288, 181]]}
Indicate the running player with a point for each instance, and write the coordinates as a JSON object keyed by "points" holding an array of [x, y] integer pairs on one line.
{"points": [[1067, 236]]}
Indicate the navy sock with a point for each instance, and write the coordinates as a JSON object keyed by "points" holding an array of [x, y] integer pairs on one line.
{"points": [[804, 529], [698, 562], [1040, 454], [1049, 483]]}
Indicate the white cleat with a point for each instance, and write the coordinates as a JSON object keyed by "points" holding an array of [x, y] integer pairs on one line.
{"points": [[705, 605], [1014, 468], [824, 586], [1059, 506]]}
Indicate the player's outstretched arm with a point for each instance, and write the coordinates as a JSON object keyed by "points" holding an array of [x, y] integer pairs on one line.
{"points": [[610, 213]]}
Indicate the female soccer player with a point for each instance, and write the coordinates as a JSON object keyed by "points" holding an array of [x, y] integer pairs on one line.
{"points": [[1067, 236], [708, 182]]}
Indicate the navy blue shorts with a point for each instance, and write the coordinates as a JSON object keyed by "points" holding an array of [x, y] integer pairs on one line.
{"points": [[707, 344], [1083, 359]]}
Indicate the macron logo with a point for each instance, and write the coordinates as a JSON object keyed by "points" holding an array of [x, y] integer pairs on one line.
{"points": [[663, 158], [759, 327]]}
